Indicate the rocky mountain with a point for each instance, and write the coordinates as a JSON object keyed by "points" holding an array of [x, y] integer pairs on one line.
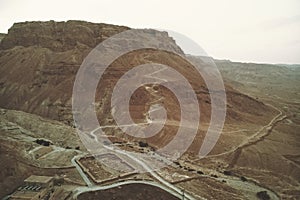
{"points": [[260, 78], [39, 61], [2, 35], [258, 148]]}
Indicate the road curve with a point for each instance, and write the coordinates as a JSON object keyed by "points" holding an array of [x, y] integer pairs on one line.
{"points": [[256, 136], [138, 161], [155, 175], [82, 174], [82, 190]]}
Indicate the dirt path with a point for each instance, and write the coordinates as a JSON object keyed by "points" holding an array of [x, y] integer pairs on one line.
{"points": [[256, 137]]}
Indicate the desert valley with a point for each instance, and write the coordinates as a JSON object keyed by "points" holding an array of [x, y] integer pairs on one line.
{"points": [[42, 157]]}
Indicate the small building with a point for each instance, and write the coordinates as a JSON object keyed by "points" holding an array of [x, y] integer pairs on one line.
{"points": [[43, 181], [34, 188]]}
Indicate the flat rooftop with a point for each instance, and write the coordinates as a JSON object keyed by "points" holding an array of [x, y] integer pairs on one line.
{"points": [[24, 194], [38, 179]]}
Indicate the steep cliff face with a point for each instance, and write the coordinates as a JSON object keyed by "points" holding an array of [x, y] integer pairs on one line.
{"points": [[2, 35], [38, 65], [58, 36], [39, 62]]}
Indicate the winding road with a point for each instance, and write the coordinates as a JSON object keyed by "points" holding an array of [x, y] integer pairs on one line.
{"points": [[82, 174], [257, 136], [91, 187], [165, 185], [153, 173], [81, 190]]}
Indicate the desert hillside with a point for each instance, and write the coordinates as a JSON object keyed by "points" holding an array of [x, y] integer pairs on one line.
{"points": [[258, 150], [39, 61]]}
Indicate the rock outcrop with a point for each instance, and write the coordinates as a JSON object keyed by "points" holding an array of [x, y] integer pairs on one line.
{"points": [[58, 36], [39, 62]]}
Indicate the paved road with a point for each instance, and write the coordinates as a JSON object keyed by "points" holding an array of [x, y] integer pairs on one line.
{"points": [[136, 160], [167, 186], [153, 173], [82, 174], [81, 190], [91, 187]]}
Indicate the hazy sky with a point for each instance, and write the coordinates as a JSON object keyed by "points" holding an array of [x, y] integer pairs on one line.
{"points": [[240, 30]]}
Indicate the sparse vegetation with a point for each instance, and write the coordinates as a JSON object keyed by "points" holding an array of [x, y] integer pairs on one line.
{"points": [[243, 178], [43, 142], [35, 85], [200, 172], [213, 175], [263, 195], [143, 144], [227, 173], [191, 170]]}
